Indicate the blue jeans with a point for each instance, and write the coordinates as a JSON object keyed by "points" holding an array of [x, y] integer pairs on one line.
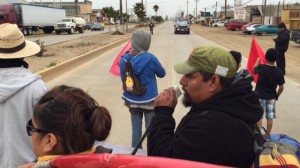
{"points": [[136, 123]]}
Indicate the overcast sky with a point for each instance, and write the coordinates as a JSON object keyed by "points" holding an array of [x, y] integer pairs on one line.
{"points": [[171, 7]]}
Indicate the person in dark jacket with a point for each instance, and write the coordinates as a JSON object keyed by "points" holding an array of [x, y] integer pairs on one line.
{"points": [[222, 105], [282, 44], [151, 26]]}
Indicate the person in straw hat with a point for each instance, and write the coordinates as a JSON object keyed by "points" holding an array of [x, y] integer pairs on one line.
{"points": [[20, 90]]}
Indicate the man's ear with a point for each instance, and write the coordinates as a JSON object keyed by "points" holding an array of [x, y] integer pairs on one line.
{"points": [[215, 83], [50, 142]]}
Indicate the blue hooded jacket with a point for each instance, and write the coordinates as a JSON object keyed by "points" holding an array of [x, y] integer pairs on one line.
{"points": [[146, 66]]}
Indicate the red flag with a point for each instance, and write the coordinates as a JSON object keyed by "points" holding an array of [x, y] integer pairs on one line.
{"points": [[115, 68], [255, 52]]}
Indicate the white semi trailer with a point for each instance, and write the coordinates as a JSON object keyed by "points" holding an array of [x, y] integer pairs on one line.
{"points": [[30, 18]]}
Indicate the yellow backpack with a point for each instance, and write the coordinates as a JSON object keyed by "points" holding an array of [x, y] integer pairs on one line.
{"points": [[132, 83]]}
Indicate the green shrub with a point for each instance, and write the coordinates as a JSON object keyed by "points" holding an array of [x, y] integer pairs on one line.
{"points": [[52, 64], [81, 44], [43, 47], [117, 33]]}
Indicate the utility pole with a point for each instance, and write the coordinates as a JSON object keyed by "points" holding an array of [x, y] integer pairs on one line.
{"points": [[265, 3], [216, 9], [76, 9], [121, 13], [187, 9], [127, 19], [277, 19], [146, 8], [196, 10], [225, 12]]}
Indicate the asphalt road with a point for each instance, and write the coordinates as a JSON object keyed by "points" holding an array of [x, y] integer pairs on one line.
{"points": [[95, 78], [53, 38]]}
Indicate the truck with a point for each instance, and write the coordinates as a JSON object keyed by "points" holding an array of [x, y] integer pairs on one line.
{"points": [[182, 26], [294, 26], [295, 36], [70, 25], [236, 25], [30, 18]]}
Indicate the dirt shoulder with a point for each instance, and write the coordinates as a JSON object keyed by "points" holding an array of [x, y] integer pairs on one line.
{"points": [[236, 40], [61, 52]]}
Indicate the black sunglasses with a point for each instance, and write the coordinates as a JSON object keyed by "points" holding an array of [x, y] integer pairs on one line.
{"points": [[30, 129]]}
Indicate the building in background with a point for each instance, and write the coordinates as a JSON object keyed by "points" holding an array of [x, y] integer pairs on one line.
{"points": [[13, 1], [96, 16], [84, 9], [291, 16]]}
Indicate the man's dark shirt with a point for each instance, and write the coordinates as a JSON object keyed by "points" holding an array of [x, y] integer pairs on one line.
{"points": [[269, 78]]}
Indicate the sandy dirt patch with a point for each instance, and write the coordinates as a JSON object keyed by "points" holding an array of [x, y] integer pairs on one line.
{"points": [[58, 53]]}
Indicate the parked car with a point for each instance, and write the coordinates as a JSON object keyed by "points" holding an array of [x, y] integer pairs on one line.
{"points": [[235, 25], [182, 26], [88, 25], [266, 29], [295, 37], [97, 26], [218, 24], [246, 25], [250, 29], [228, 21]]}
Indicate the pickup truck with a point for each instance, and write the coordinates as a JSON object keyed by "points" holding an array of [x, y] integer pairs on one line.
{"points": [[235, 25], [295, 36], [182, 26]]}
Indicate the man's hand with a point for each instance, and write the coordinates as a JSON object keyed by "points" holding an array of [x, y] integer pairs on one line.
{"points": [[166, 98]]}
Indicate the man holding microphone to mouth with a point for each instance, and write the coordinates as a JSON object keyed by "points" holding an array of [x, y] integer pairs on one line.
{"points": [[222, 105]]}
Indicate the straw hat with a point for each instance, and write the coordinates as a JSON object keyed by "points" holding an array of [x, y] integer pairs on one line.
{"points": [[13, 43]]}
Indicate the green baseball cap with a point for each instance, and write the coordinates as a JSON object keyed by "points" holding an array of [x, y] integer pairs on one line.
{"points": [[210, 59]]}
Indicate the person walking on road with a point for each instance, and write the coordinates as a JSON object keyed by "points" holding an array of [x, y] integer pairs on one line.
{"points": [[147, 67], [222, 105], [20, 90], [269, 78], [151, 26], [282, 44]]}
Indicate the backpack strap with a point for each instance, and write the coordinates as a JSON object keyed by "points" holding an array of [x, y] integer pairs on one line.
{"points": [[132, 66]]}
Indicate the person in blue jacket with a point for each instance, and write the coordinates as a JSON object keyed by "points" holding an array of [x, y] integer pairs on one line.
{"points": [[147, 67]]}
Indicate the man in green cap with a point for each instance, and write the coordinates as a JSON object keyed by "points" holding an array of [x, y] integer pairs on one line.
{"points": [[222, 104]]}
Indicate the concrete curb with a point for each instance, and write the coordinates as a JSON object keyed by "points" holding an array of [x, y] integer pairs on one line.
{"points": [[52, 72]]}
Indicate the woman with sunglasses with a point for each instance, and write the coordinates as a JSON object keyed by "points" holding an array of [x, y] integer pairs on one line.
{"points": [[67, 120]]}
